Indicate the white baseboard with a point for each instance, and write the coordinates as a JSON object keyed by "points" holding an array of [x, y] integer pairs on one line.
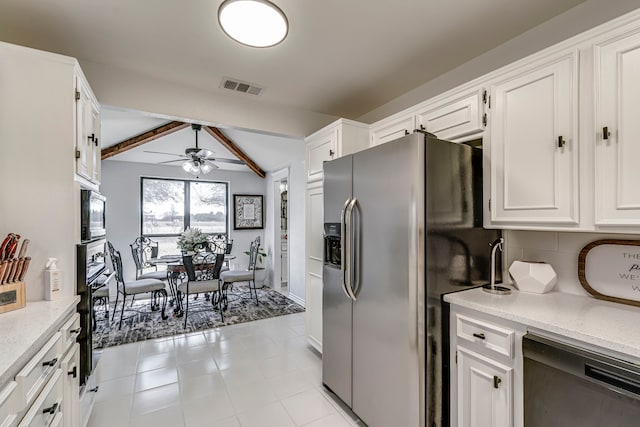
{"points": [[297, 299]]}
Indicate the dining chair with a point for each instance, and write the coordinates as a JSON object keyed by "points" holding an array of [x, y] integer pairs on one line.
{"points": [[203, 273], [249, 275], [143, 249], [155, 287]]}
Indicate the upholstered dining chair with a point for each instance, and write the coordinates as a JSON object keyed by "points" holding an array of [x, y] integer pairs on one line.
{"points": [[203, 273], [155, 287], [249, 275]]}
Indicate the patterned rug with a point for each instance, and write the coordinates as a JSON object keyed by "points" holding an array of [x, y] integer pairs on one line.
{"points": [[140, 323]]}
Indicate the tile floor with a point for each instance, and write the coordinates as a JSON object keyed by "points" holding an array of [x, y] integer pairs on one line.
{"points": [[253, 374]]}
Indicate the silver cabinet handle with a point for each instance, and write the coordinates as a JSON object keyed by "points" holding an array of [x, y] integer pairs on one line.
{"points": [[343, 237], [349, 248]]}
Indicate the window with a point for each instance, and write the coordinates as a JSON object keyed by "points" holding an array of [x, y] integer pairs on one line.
{"points": [[169, 206]]}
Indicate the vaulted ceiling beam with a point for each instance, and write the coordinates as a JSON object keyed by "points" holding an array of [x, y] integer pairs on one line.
{"points": [[231, 146], [143, 138]]}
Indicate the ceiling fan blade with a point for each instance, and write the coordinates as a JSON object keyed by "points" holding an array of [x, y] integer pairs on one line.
{"points": [[204, 153], [167, 154], [171, 161], [221, 160]]}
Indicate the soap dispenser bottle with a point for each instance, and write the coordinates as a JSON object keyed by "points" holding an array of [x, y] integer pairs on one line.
{"points": [[52, 279]]}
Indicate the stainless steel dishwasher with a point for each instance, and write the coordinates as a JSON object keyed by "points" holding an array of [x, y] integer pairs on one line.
{"points": [[568, 386]]}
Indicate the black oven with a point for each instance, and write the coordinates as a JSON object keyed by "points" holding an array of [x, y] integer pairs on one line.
{"points": [[92, 215], [566, 386], [90, 262]]}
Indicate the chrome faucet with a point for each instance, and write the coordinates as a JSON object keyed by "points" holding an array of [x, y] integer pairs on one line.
{"points": [[491, 287]]}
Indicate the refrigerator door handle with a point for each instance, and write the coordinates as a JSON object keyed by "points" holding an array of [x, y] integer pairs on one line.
{"points": [[349, 247], [343, 238]]}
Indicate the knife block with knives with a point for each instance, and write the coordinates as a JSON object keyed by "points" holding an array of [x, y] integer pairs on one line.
{"points": [[12, 272]]}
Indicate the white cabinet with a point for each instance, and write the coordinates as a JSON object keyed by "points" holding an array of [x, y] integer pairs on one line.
{"points": [[314, 260], [70, 367], [486, 370], [617, 146], [335, 140], [87, 132], [393, 128], [456, 118], [533, 144], [485, 390]]}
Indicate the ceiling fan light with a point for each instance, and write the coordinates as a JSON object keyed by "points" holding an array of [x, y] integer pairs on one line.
{"points": [[255, 23], [206, 167]]}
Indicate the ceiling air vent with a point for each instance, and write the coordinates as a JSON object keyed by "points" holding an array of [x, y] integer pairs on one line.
{"points": [[240, 86]]}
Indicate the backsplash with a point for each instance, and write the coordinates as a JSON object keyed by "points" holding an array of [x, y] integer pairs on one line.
{"points": [[560, 249]]}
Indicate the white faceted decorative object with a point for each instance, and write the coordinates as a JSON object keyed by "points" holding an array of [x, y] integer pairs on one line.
{"points": [[536, 277]]}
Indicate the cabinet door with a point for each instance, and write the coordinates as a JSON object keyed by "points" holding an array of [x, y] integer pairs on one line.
{"points": [[83, 147], [485, 391], [320, 148], [315, 248], [617, 195], [389, 130], [70, 367], [533, 145], [454, 119], [95, 160]]}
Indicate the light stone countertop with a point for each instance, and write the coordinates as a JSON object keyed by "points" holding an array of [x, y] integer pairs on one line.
{"points": [[23, 332], [611, 326]]}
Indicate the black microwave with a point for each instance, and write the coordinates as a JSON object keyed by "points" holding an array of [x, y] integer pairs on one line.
{"points": [[92, 215]]}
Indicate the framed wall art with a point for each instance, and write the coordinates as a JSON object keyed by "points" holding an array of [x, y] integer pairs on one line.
{"points": [[247, 212]]}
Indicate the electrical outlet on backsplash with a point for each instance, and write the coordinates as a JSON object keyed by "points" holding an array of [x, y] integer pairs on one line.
{"points": [[559, 249]]}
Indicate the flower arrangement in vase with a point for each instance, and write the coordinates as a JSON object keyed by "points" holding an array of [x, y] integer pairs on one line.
{"points": [[193, 240]]}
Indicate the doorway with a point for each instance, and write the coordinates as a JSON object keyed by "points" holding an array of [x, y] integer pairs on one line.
{"points": [[281, 231]]}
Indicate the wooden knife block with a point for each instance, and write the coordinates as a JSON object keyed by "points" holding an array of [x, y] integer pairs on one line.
{"points": [[12, 296]]}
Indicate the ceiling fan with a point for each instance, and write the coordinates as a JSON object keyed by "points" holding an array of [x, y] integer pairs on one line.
{"points": [[197, 160]]}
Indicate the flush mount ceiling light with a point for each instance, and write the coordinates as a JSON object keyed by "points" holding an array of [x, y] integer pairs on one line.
{"points": [[256, 23]]}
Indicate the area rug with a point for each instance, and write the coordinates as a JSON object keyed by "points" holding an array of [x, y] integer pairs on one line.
{"points": [[140, 323]]}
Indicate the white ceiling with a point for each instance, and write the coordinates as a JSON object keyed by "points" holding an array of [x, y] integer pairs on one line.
{"points": [[342, 58]]}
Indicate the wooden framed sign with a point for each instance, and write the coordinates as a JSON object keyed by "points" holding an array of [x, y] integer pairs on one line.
{"points": [[609, 269]]}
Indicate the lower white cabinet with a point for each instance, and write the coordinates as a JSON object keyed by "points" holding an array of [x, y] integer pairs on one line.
{"points": [[9, 405], [486, 370], [70, 367], [48, 404], [485, 390]]}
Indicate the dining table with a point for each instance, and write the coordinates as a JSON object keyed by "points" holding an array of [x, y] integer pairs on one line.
{"points": [[176, 272]]}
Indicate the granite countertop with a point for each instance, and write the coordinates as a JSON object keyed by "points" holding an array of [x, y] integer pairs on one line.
{"points": [[605, 324], [23, 332]]}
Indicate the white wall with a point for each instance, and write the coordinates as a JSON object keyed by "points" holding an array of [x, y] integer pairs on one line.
{"points": [[121, 186], [40, 199], [561, 250], [572, 22]]}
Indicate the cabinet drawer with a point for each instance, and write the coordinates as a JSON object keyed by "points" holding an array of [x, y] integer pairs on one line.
{"points": [[48, 404], [9, 406], [488, 338], [70, 331], [34, 375]]}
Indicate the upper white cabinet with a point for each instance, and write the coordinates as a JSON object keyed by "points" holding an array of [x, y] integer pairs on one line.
{"points": [[617, 134], [87, 132], [533, 144], [460, 117], [335, 140], [392, 128]]}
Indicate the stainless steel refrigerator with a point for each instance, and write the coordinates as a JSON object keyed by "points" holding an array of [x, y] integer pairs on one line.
{"points": [[403, 226]]}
